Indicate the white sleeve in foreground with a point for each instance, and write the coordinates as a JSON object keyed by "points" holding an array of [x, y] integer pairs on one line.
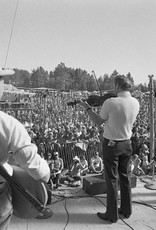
{"points": [[28, 158]]}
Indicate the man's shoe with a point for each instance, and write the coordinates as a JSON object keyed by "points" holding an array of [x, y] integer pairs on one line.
{"points": [[125, 215], [104, 216]]}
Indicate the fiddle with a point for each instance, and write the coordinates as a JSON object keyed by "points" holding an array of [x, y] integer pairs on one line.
{"points": [[93, 100]]}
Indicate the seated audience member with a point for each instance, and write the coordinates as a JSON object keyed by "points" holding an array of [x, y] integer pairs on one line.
{"points": [[56, 167], [131, 166], [151, 168], [145, 163], [144, 151], [96, 163], [136, 162], [74, 175], [84, 164]]}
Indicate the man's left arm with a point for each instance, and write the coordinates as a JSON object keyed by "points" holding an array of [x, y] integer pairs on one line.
{"points": [[93, 116]]}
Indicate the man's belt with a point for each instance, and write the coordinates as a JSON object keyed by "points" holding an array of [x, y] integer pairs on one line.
{"points": [[116, 140]]}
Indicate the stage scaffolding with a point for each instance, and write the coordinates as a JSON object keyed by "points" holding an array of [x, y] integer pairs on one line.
{"points": [[150, 181]]}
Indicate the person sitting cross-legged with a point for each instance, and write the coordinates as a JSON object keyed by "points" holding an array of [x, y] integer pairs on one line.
{"points": [[96, 163], [136, 165], [73, 178]]}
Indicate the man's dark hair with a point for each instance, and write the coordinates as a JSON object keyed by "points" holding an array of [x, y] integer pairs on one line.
{"points": [[123, 82]]}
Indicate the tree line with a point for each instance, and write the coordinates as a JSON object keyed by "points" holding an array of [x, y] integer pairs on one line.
{"points": [[65, 79]]}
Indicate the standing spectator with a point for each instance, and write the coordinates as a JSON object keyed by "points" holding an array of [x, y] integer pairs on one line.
{"points": [[56, 167]]}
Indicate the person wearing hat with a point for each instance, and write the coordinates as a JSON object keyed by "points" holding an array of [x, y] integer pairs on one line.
{"points": [[74, 174], [119, 115], [15, 138]]}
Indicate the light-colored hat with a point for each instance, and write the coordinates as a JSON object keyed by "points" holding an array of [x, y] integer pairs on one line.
{"points": [[144, 146], [76, 158], [6, 72], [56, 153]]}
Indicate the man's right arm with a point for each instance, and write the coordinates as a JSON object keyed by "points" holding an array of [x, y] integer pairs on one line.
{"points": [[25, 152]]}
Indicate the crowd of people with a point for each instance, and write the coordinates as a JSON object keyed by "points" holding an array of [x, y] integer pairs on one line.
{"points": [[56, 127], [69, 137], [74, 174]]}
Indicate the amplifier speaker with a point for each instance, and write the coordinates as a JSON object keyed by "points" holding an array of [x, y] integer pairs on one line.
{"points": [[95, 185]]}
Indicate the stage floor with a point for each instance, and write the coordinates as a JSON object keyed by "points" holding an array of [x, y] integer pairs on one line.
{"points": [[76, 210]]}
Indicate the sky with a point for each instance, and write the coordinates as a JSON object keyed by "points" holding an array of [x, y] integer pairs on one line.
{"points": [[99, 35]]}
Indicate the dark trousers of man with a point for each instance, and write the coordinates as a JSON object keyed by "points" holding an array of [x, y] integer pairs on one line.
{"points": [[116, 161]]}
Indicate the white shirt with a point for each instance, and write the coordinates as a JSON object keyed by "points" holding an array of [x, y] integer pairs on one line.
{"points": [[15, 138], [119, 113]]}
